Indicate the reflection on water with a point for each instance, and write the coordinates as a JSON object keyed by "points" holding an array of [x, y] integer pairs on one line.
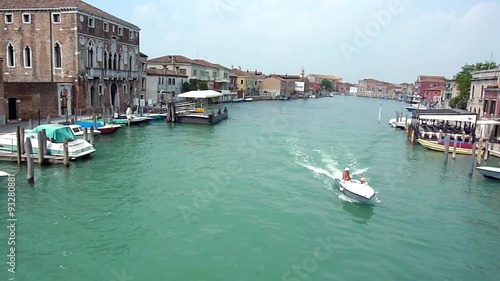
{"points": [[362, 213]]}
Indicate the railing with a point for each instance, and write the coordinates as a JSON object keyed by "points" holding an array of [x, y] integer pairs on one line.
{"points": [[111, 73]]}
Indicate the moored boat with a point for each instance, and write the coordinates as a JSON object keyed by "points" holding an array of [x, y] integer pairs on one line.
{"points": [[462, 148], [55, 136], [103, 128], [79, 132]]}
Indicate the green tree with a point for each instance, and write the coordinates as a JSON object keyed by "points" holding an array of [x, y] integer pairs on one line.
{"points": [[463, 80], [185, 87], [326, 84], [203, 85]]}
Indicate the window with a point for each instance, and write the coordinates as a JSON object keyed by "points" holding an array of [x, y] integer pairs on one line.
{"points": [[26, 18], [493, 106], [27, 57], [56, 18], [11, 61], [105, 26], [485, 106], [143, 84], [241, 81], [100, 90], [90, 55], [57, 56], [91, 22], [131, 34], [120, 31], [8, 18], [105, 60]]}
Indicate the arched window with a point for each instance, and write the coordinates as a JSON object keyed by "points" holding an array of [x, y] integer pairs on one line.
{"points": [[100, 90], [114, 61], [57, 55], [119, 61], [27, 57], [110, 61], [90, 55], [482, 92], [472, 95], [169, 81], [105, 60], [11, 54]]}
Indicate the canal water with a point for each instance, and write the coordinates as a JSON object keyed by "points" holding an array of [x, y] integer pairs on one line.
{"points": [[253, 198]]}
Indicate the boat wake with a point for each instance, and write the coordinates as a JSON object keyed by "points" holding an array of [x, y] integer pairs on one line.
{"points": [[325, 165]]}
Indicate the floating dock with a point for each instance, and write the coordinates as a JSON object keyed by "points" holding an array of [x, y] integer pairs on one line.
{"points": [[47, 159]]}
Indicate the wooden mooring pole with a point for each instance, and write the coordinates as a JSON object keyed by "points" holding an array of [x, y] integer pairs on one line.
{"points": [[446, 148], [19, 143], [85, 134], [472, 160], [22, 141], [41, 146], [91, 136], [48, 119], [454, 155], [30, 175], [65, 153], [486, 150]]}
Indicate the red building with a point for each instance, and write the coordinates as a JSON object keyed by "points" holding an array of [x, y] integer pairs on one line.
{"points": [[425, 83], [433, 94], [491, 108], [314, 87]]}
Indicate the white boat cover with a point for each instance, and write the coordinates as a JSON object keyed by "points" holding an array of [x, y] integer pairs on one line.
{"points": [[205, 94]]}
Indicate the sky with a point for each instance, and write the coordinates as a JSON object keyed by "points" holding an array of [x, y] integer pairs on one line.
{"points": [[388, 40]]}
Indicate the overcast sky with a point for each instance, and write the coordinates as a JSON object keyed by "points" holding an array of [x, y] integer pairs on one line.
{"points": [[390, 40]]}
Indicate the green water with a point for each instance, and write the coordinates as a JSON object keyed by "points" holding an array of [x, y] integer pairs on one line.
{"points": [[252, 198]]}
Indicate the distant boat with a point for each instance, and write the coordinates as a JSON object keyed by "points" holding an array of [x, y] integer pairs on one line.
{"points": [[248, 99], [238, 100]]}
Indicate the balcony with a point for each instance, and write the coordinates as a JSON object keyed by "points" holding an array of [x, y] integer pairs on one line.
{"points": [[112, 74]]}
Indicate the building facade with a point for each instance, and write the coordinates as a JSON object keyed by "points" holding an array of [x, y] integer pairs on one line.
{"points": [[214, 75], [491, 106], [66, 57], [3, 101], [163, 86], [479, 82], [374, 88], [425, 82]]}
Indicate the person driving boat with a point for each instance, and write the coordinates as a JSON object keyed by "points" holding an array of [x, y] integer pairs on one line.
{"points": [[346, 175]]}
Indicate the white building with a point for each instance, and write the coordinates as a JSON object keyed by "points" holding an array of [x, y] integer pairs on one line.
{"points": [[163, 85], [480, 80]]}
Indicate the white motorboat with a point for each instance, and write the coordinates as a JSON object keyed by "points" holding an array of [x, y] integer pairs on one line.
{"points": [[55, 136], [361, 192], [403, 123], [489, 172], [79, 132], [248, 99]]}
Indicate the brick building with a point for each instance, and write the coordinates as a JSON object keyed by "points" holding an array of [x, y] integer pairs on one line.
{"points": [[374, 88], [425, 82], [62, 56], [3, 117]]}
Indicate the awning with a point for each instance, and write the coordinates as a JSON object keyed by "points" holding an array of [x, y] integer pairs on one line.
{"points": [[204, 94]]}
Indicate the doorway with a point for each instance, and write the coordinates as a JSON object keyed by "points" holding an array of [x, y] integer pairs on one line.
{"points": [[12, 108]]}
